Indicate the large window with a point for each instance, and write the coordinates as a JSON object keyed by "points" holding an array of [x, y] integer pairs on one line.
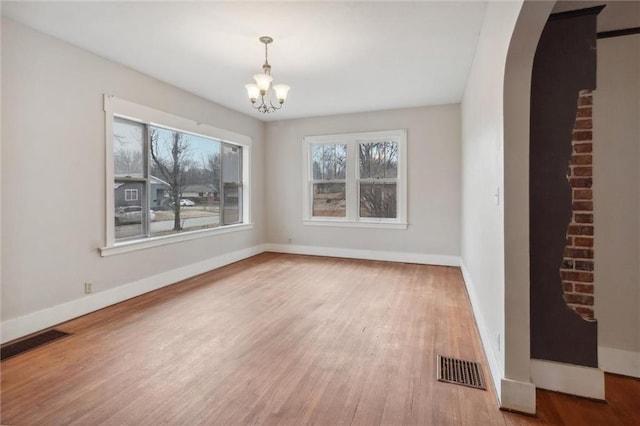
{"points": [[167, 181], [356, 179]]}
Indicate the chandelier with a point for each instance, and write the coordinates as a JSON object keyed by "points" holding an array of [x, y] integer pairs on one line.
{"points": [[260, 88]]}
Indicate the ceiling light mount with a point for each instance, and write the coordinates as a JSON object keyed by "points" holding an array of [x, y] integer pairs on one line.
{"points": [[262, 85]]}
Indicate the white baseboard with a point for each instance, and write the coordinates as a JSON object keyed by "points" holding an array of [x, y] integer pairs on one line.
{"points": [[18, 327], [518, 396], [495, 366], [619, 361], [391, 256], [568, 378]]}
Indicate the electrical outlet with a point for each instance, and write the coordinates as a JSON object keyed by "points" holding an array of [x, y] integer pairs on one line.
{"points": [[87, 288]]}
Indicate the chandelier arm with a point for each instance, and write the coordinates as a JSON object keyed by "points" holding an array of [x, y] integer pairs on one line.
{"points": [[275, 108], [263, 107]]}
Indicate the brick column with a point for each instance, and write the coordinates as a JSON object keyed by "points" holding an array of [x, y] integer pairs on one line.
{"points": [[577, 265]]}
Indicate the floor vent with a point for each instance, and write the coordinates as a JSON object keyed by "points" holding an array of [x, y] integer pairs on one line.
{"points": [[467, 373], [32, 342]]}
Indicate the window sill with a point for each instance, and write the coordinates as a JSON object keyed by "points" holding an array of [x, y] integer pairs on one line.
{"points": [[347, 224], [129, 246]]}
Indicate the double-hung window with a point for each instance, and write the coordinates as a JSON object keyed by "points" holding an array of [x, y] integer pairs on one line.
{"points": [[356, 179], [329, 180], [170, 178]]}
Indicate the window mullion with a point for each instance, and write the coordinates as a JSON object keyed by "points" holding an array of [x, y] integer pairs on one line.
{"points": [[221, 219], [146, 205], [240, 188], [351, 184]]}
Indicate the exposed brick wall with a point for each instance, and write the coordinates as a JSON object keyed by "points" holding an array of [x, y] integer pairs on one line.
{"points": [[577, 265]]}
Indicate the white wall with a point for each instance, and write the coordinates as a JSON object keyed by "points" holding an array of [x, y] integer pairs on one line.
{"points": [[482, 214], [53, 173], [495, 244], [616, 187], [517, 97], [433, 147]]}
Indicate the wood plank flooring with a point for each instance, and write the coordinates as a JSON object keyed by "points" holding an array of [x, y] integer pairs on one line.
{"points": [[275, 339]]}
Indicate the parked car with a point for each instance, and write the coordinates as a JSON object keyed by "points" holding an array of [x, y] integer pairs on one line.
{"points": [[131, 214], [186, 202]]}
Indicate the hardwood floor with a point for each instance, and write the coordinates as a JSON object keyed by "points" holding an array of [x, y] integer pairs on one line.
{"points": [[275, 339]]}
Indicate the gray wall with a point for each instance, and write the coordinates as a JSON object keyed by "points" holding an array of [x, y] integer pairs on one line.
{"points": [[53, 173], [433, 147]]}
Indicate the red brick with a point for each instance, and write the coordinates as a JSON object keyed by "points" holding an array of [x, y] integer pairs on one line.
{"points": [[567, 287], [584, 265], [583, 147], [569, 242], [585, 100], [583, 206], [585, 277], [580, 230], [567, 264], [581, 182], [583, 242], [582, 135], [584, 159], [582, 171], [582, 194], [584, 288], [578, 253], [578, 299], [583, 217], [584, 311], [583, 124], [584, 111]]}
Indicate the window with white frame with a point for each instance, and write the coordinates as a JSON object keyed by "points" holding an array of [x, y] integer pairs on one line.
{"points": [[356, 179], [168, 181], [131, 195]]}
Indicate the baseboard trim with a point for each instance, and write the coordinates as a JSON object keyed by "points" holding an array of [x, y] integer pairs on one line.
{"points": [[492, 357], [22, 326], [390, 256], [568, 378], [518, 396], [512, 395], [619, 361]]}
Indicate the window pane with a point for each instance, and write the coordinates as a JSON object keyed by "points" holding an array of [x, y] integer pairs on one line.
{"points": [[378, 200], [329, 161], [232, 203], [184, 181], [232, 162], [232, 181], [129, 215], [128, 145], [378, 160], [329, 199]]}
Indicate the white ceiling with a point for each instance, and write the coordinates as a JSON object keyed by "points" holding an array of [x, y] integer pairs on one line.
{"points": [[338, 57]]}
